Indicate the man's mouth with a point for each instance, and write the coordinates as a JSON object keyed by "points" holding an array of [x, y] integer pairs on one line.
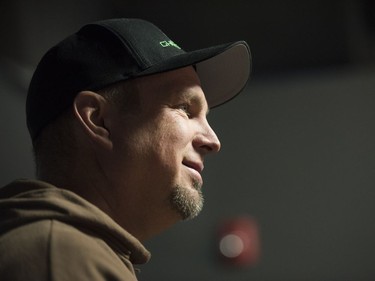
{"points": [[197, 166]]}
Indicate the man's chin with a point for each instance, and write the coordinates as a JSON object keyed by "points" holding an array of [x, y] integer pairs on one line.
{"points": [[186, 201]]}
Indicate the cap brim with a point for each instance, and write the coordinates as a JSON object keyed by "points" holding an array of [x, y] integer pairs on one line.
{"points": [[223, 70], [225, 75]]}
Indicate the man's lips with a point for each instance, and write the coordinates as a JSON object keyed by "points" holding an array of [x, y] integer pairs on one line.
{"points": [[198, 166]]}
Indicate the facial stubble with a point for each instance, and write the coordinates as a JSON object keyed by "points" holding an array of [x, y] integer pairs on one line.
{"points": [[186, 201]]}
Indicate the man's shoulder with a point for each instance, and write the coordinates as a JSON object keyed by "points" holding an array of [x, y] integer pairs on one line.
{"points": [[25, 236], [54, 238], [23, 252], [52, 247]]}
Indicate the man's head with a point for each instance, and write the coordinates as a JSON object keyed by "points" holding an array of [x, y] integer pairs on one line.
{"points": [[117, 112]]}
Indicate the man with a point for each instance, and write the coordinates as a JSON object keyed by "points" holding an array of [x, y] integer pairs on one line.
{"points": [[117, 116]]}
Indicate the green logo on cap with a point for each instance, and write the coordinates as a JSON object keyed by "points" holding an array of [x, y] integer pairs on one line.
{"points": [[169, 43]]}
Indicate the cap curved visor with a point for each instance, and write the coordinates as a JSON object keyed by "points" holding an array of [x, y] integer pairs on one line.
{"points": [[225, 75]]}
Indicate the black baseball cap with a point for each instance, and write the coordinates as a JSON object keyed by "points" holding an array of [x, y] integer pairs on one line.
{"points": [[109, 51]]}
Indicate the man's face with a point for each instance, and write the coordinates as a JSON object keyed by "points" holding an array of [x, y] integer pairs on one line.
{"points": [[159, 151]]}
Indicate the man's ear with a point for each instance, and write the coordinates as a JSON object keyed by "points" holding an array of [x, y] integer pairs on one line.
{"points": [[91, 110]]}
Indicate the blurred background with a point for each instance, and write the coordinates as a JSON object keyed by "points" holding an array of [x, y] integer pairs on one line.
{"points": [[298, 145]]}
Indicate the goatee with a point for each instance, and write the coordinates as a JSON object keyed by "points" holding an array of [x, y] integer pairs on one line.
{"points": [[187, 202]]}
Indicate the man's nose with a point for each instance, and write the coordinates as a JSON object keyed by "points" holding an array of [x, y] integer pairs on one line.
{"points": [[207, 140]]}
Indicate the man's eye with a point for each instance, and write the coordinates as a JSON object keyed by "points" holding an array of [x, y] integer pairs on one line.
{"points": [[184, 107]]}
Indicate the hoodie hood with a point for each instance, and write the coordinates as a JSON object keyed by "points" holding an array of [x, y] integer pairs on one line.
{"points": [[26, 201]]}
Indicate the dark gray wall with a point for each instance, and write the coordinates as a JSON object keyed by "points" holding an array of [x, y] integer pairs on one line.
{"points": [[298, 144]]}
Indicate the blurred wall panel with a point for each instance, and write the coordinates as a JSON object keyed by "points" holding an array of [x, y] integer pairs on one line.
{"points": [[27, 30]]}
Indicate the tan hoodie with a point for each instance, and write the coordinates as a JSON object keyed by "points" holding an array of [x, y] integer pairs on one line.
{"points": [[48, 233]]}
